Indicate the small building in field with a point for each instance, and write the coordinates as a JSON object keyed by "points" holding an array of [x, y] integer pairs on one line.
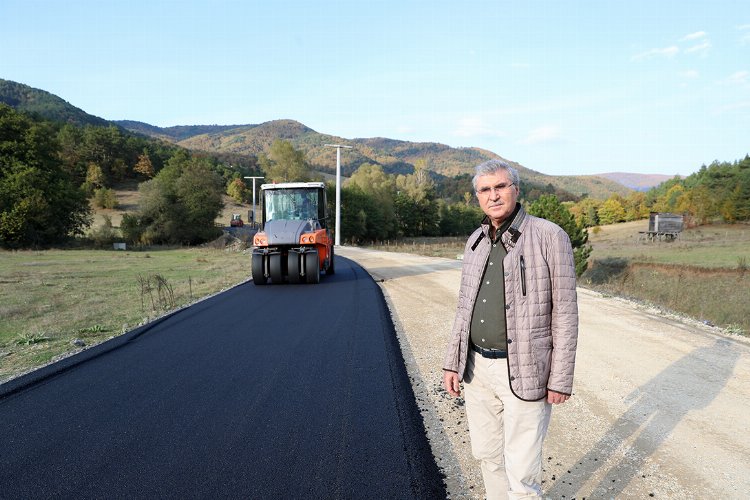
{"points": [[663, 222], [663, 225]]}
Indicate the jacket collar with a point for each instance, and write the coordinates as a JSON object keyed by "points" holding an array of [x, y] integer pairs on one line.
{"points": [[510, 236]]}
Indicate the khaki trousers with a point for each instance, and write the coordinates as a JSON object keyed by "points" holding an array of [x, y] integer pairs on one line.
{"points": [[506, 433]]}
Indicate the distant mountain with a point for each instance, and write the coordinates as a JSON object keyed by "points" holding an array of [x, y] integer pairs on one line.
{"points": [[174, 134], [42, 103], [638, 182], [393, 155]]}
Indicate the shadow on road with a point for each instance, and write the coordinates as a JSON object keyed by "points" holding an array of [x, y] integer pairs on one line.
{"points": [[657, 407]]}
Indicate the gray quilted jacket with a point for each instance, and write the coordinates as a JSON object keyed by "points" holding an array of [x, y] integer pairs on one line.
{"points": [[541, 311]]}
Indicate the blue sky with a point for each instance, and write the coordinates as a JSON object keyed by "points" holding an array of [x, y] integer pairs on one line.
{"points": [[564, 88]]}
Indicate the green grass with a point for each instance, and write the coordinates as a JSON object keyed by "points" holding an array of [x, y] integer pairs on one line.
{"points": [[49, 298], [703, 274], [720, 246]]}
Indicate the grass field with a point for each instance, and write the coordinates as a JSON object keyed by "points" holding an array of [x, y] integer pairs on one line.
{"points": [[703, 274], [716, 246], [50, 298]]}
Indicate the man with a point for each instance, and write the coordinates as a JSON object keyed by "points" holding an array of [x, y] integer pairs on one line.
{"points": [[515, 333]]}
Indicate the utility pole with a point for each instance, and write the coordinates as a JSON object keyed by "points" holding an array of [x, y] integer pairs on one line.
{"points": [[338, 189], [253, 178]]}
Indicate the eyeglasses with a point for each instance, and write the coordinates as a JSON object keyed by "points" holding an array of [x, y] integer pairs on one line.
{"points": [[499, 188]]}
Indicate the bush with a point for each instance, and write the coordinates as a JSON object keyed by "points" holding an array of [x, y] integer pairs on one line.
{"points": [[105, 235], [180, 204], [105, 198], [131, 229], [603, 271], [550, 208]]}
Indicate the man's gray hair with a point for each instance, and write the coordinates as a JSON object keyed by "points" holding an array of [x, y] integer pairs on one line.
{"points": [[493, 166]]}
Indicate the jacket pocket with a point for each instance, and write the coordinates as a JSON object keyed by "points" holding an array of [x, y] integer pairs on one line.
{"points": [[523, 276]]}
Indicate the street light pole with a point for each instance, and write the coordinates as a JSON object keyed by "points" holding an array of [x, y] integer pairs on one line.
{"points": [[338, 189], [253, 178]]}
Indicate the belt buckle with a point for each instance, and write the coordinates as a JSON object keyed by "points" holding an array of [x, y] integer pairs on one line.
{"points": [[491, 353]]}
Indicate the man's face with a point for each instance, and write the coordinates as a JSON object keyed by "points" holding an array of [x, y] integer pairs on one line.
{"points": [[497, 196]]}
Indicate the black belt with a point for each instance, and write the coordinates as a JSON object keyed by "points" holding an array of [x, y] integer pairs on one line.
{"points": [[489, 353]]}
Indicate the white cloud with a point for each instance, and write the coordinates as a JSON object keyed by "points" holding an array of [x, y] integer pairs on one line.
{"points": [[476, 127], [701, 48], [546, 133], [739, 78], [652, 53], [731, 108], [693, 36], [700, 45], [690, 74]]}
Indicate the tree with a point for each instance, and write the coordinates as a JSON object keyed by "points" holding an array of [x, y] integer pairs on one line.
{"points": [[549, 207], [40, 203], [144, 165], [237, 189], [417, 213], [458, 219], [378, 188], [700, 202], [669, 200], [635, 206], [105, 198], [180, 204], [284, 163], [586, 212], [611, 211], [104, 147], [94, 177]]}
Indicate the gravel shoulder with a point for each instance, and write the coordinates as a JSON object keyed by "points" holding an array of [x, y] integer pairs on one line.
{"points": [[659, 406]]}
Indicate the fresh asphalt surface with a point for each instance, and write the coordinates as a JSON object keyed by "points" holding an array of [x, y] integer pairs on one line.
{"points": [[276, 391]]}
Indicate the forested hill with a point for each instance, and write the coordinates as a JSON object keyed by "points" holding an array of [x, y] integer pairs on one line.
{"points": [[174, 134], [252, 140], [46, 105], [393, 155]]}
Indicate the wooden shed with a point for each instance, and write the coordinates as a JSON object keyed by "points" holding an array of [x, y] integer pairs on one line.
{"points": [[663, 222], [663, 225]]}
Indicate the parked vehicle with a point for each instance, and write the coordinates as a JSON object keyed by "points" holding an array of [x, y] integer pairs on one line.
{"points": [[236, 221]]}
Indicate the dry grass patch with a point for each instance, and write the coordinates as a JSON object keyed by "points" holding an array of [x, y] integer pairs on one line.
{"points": [[703, 274], [51, 298]]}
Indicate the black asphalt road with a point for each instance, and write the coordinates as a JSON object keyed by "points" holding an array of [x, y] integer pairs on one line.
{"points": [[293, 391]]}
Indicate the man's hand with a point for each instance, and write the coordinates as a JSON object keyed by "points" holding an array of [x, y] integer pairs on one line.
{"points": [[451, 383], [555, 398]]}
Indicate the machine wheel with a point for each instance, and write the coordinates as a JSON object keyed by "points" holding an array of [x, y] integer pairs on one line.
{"points": [[274, 265], [257, 266], [330, 269], [293, 267], [312, 267]]}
